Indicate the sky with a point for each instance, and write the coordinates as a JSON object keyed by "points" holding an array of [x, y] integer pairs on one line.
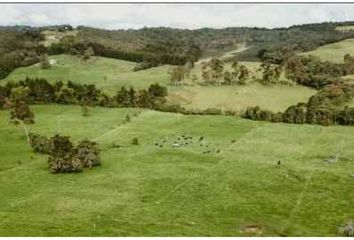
{"points": [[191, 16]]}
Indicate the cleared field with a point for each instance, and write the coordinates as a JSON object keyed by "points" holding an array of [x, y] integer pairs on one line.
{"points": [[106, 73], [345, 28], [238, 98], [148, 190], [334, 52]]}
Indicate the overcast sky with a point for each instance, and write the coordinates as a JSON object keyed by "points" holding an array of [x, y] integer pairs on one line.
{"points": [[117, 16]]}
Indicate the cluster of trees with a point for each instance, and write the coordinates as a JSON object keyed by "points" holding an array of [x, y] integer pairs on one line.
{"points": [[64, 157], [41, 91], [311, 71], [147, 57], [213, 73], [325, 108], [270, 73], [19, 47], [306, 70]]}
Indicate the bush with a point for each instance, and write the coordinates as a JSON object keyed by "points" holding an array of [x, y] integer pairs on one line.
{"points": [[61, 159], [64, 157], [40, 144], [88, 153], [346, 116], [127, 118], [277, 117], [135, 141], [295, 114], [256, 113], [64, 164]]}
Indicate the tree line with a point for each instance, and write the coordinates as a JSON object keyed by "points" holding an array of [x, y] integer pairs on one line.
{"points": [[327, 107], [41, 91]]}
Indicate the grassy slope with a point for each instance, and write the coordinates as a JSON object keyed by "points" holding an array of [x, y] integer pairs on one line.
{"points": [[238, 98], [334, 52], [117, 73], [152, 191]]}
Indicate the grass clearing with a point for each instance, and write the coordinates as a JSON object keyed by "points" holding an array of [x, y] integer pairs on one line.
{"points": [[146, 190], [106, 73], [238, 98], [333, 52], [345, 28]]}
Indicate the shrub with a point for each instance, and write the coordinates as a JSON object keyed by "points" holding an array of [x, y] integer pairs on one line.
{"points": [[295, 114], [88, 153], [127, 118], [40, 144], [61, 159], [346, 116], [135, 141], [64, 157], [256, 113], [64, 164], [277, 117], [21, 111]]}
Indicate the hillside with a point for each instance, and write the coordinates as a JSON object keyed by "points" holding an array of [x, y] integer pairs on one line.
{"points": [[147, 190], [333, 52], [111, 74], [230, 132], [106, 73]]}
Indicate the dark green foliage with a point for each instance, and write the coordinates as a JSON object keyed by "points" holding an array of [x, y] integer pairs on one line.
{"points": [[346, 116], [18, 47], [21, 111], [295, 114], [256, 113], [65, 158], [135, 141], [40, 144], [277, 117], [126, 98], [60, 145], [41, 91], [62, 159], [88, 153], [324, 106], [311, 71]]}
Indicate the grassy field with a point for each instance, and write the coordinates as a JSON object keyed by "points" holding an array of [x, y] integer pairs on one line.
{"points": [[238, 98], [345, 28], [108, 74], [333, 52], [148, 190]]}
